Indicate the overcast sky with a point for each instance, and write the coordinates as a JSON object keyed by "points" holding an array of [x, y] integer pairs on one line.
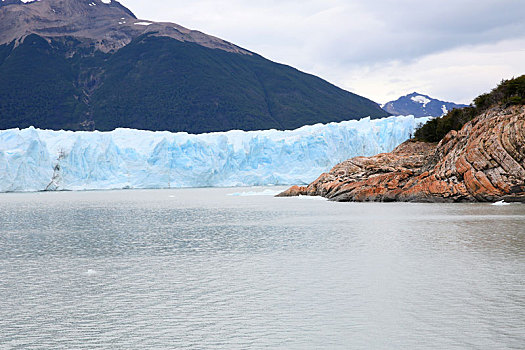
{"points": [[381, 49]]}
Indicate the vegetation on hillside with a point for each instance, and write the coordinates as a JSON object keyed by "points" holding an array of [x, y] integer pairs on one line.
{"points": [[508, 93], [36, 86], [158, 83]]}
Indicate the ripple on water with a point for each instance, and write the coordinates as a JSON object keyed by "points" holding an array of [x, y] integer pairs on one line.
{"points": [[195, 269]]}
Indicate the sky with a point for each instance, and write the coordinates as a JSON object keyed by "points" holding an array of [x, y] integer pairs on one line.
{"points": [[381, 49]]}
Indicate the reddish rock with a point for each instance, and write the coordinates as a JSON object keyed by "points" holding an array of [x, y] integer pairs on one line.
{"points": [[293, 191], [484, 161]]}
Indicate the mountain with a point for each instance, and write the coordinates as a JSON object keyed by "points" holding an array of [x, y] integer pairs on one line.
{"points": [[91, 64], [420, 105]]}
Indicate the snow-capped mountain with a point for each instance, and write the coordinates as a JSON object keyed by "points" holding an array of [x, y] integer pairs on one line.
{"points": [[420, 105]]}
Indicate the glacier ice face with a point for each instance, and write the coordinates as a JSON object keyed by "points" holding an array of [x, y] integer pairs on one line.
{"points": [[35, 160]]}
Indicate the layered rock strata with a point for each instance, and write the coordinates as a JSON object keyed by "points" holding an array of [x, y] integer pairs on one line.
{"points": [[483, 162]]}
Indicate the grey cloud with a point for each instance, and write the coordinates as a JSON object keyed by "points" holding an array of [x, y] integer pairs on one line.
{"points": [[407, 30]]}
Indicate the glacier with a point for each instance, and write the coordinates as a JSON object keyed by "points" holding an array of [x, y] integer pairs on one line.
{"points": [[38, 160]]}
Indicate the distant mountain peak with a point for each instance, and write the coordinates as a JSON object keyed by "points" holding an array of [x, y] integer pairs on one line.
{"points": [[419, 105], [106, 24]]}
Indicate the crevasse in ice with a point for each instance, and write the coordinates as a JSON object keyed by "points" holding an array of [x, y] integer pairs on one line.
{"points": [[35, 160]]}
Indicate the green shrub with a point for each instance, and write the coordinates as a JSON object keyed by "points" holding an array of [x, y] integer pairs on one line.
{"points": [[508, 93]]}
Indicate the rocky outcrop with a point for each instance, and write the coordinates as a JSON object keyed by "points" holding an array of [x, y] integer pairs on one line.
{"points": [[484, 161], [107, 25]]}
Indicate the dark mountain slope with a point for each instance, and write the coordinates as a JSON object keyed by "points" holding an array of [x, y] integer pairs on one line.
{"points": [[202, 89], [36, 87]]}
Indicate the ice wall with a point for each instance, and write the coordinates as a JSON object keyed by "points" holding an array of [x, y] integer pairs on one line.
{"points": [[35, 160]]}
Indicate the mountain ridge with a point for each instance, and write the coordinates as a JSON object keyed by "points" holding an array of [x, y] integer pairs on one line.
{"points": [[109, 25]]}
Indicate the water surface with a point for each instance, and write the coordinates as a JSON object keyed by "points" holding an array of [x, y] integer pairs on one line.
{"points": [[205, 269]]}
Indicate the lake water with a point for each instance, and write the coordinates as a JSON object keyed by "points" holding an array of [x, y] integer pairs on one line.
{"points": [[204, 269]]}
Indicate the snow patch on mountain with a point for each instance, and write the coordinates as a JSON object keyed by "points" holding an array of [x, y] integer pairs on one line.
{"points": [[36, 160], [421, 99]]}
